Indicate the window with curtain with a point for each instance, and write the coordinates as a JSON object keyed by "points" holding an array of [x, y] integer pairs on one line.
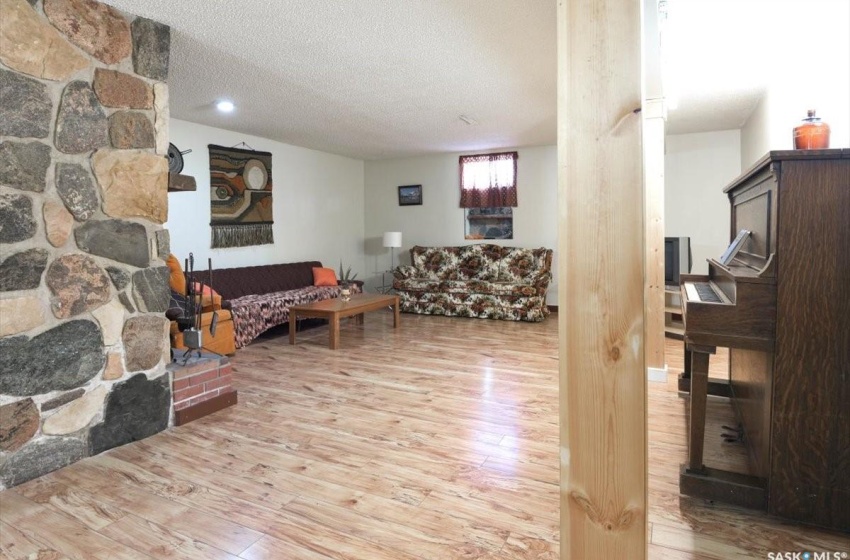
{"points": [[488, 180], [488, 193]]}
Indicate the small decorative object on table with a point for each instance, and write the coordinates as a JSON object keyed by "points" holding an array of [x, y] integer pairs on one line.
{"points": [[811, 134], [345, 280]]}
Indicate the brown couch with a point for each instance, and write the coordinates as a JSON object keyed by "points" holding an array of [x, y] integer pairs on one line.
{"points": [[259, 297]]}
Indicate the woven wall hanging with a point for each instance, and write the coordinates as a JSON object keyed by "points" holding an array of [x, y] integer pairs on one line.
{"points": [[240, 197]]}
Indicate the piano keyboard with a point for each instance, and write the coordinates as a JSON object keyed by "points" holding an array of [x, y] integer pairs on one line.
{"points": [[702, 291]]}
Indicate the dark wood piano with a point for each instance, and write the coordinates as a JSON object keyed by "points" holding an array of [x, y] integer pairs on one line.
{"points": [[782, 307]]}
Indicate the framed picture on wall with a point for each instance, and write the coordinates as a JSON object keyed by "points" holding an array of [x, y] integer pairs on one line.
{"points": [[410, 195]]}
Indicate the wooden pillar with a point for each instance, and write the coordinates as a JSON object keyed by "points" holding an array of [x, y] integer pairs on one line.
{"points": [[601, 296], [653, 161]]}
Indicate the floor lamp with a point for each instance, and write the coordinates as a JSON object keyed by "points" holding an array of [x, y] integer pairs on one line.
{"points": [[392, 240]]}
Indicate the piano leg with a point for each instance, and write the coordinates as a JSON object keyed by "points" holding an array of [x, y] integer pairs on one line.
{"points": [[699, 356], [716, 387], [685, 376]]}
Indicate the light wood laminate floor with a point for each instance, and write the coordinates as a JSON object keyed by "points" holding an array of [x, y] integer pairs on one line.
{"points": [[437, 440]]}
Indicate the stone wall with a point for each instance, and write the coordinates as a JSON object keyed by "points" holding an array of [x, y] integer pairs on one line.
{"points": [[83, 196]]}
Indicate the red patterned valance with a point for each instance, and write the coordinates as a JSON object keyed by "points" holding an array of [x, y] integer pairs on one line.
{"points": [[488, 180]]}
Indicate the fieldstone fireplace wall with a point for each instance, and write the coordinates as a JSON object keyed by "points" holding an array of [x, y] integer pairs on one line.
{"points": [[83, 196]]}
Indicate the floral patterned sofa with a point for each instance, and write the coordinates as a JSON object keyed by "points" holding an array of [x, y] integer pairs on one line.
{"points": [[485, 281]]}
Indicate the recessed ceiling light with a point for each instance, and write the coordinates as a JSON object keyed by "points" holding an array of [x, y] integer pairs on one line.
{"points": [[225, 106]]}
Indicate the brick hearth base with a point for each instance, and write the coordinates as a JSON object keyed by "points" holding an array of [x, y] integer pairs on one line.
{"points": [[201, 387]]}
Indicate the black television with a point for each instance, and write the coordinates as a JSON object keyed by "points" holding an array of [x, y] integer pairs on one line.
{"points": [[677, 259]]}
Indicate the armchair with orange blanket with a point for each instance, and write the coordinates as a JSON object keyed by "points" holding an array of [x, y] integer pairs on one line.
{"points": [[224, 341]]}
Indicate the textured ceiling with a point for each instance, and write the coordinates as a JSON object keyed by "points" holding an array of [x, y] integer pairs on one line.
{"points": [[377, 79], [368, 78]]}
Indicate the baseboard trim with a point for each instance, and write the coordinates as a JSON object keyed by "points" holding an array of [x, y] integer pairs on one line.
{"points": [[656, 375], [204, 408]]}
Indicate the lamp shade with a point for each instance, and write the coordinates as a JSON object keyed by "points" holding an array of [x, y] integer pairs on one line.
{"points": [[392, 239]]}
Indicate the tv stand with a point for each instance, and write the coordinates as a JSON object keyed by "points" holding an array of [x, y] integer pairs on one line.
{"points": [[674, 327]]}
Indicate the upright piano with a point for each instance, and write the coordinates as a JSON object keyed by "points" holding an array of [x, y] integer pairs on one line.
{"points": [[782, 307]]}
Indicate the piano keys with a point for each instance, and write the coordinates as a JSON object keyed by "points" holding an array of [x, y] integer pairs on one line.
{"points": [[704, 292], [784, 313], [746, 315]]}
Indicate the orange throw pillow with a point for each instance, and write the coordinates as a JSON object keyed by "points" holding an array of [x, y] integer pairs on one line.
{"points": [[324, 277], [176, 279]]}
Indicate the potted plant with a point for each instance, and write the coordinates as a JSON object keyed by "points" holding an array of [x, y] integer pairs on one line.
{"points": [[345, 280]]}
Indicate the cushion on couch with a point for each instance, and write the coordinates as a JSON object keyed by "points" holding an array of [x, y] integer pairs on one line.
{"points": [[522, 265], [478, 262], [324, 277], [469, 287], [210, 299], [176, 279]]}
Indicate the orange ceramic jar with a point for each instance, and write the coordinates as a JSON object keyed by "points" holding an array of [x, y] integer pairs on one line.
{"points": [[811, 134]]}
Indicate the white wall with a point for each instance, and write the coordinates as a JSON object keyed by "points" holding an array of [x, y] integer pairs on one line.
{"points": [[439, 221], [317, 204], [755, 134], [772, 122], [697, 167], [814, 73]]}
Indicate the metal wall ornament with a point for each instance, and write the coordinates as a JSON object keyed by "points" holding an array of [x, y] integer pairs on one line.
{"points": [[175, 158]]}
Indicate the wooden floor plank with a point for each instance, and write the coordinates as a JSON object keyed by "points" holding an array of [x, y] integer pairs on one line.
{"points": [[14, 506], [716, 548], [129, 496], [270, 548], [161, 542], [73, 539], [518, 547], [78, 505], [16, 545], [393, 535], [436, 440]]}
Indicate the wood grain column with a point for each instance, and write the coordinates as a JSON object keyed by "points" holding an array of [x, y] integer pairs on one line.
{"points": [[601, 297], [653, 161]]}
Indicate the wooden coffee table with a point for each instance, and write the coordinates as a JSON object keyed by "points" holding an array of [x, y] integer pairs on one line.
{"points": [[335, 309]]}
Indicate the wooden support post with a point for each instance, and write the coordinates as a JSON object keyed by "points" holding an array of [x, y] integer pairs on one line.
{"points": [[653, 160], [601, 296]]}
